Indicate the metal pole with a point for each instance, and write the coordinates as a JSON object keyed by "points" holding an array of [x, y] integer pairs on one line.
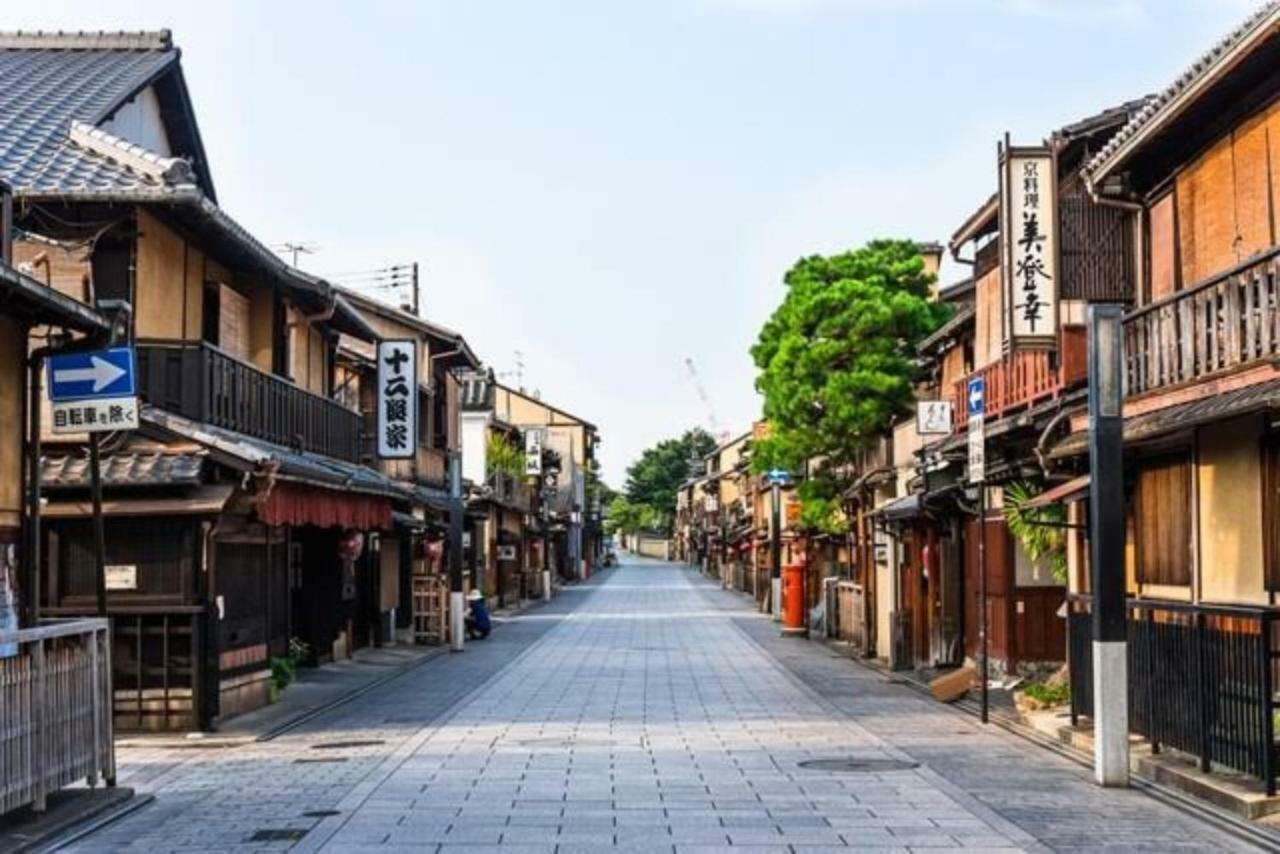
{"points": [[457, 617], [985, 630], [31, 563], [1107, 534], [775, 552], [417, 305], [99, 533]]}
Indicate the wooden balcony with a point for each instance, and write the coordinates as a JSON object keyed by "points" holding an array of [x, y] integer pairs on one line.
{"points": [[1027, 377], [1216, 326], [198, 381], [508, 490]]}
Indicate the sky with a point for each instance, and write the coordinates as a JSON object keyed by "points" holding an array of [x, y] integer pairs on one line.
{"points": [[610, 188]]}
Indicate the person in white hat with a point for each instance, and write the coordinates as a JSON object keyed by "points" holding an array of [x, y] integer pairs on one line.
{"points": [[477, 620]]}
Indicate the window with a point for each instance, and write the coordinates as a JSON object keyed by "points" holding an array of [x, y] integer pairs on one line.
{"points": [[1164, 269], [1271, 511], [1164, 520]]}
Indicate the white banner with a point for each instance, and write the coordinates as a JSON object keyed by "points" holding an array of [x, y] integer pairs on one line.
{"points": [[1029, 231], [977, 450], [398, 399], [533, 452], [933, 417]]}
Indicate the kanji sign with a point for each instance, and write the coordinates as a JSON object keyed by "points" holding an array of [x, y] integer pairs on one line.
{"points": [[93, 391], [533, 453], [397, 399], [933, 417], [1029, 231], [976, 405]]}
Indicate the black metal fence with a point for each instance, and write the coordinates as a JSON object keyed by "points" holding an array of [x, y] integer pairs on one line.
{"points": [[201, 382], [1201, 680]]}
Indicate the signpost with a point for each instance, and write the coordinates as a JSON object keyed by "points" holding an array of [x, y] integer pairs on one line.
{"points": [[776, 478], [976, 406], [94, 392], [397, 399], [933, 417], [1029, 262]]}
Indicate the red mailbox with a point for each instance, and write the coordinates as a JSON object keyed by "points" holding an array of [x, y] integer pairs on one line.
{"points": [[793, 622]]}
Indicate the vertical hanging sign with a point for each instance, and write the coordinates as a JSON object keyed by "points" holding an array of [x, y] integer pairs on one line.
{"points": [[397, 399], [533, 452], [1029, 257]]}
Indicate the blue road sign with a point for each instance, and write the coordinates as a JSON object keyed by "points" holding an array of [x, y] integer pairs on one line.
{"points": [[976, 396], [779, 476], [91, 375]]}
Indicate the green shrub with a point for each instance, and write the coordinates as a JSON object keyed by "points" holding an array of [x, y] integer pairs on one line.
{"points": [[1050, 695]]}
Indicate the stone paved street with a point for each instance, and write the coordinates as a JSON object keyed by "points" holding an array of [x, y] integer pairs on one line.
{"points": [[644, 711]]}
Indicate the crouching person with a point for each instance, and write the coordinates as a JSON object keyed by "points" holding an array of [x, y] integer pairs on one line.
{"points": [[478, 624]]}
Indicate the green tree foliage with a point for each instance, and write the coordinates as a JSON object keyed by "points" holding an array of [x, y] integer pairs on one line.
{"points": [[1038, 529], [837, 364], [503, 457], [654, 479], [623, 515]]}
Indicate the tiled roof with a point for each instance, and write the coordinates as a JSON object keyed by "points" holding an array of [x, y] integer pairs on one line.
{"points": [[476, 392], [125, 469], [1158, 107], [49, 80], [27, 298]]}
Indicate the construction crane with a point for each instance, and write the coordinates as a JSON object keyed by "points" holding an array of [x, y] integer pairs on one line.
{"points": [[721, 434]]}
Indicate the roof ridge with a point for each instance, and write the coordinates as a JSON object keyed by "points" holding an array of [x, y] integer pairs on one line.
{"points": [[1266, 16], [169, 170], [86, 40]]}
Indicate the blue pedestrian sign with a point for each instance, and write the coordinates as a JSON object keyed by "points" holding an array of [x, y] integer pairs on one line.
{"points": [[92, 375], [976, 396]]}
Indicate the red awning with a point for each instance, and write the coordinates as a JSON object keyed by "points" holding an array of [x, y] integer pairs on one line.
{"points": [[294, 504]]}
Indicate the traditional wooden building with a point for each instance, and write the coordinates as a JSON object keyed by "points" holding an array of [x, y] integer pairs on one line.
{"points": [[1193, 177], [240, 515]]}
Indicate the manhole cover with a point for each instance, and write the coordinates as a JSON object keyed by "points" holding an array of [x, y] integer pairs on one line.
{"points": [[321, 813], [338, 745], [852, 765], [274, 834], [313, 759]]}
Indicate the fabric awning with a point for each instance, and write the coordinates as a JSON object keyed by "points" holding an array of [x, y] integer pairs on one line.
{"points": [[1071, 490], [296, 504], [205, 500], [907, 507]]}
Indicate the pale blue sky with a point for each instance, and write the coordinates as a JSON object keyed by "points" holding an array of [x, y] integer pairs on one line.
{"points": [[610, 187]]}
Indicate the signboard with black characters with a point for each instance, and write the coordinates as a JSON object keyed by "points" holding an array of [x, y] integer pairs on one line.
{"points": [[397, 399], [1029, 232]]}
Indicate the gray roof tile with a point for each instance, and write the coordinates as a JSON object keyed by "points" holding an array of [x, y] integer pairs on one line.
{"points": [[42, 91]]}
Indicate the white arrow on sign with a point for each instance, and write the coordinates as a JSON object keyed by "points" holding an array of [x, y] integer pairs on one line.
{"points": [[102, 372], [975, 396]]}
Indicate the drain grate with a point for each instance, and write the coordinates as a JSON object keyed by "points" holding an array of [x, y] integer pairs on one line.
{"points": [[321, 813], [312, 759], [852, 765], [338, 745], [277, 834]]}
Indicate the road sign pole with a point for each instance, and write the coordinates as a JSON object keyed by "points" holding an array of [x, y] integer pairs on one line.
{"points": [[982, 596], [99, 532], [457, 618], [775, 553], [976, 406]]}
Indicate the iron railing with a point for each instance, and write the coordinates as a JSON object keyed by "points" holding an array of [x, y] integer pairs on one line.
{"points": [[55, 710], [1201, 680], [198, 381]]}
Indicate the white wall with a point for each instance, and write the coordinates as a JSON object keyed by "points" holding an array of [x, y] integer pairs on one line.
{"points": [[139, 122]]}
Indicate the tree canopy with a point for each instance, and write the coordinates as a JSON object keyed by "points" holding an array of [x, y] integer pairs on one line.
{"points": [[837, 363], [655, 477]]}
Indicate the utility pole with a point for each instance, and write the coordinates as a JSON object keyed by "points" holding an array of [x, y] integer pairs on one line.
{"points": [[417, 293], [1106, 544], [457, 619]]}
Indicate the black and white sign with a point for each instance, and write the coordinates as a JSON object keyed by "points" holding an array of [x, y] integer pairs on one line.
{"points": [[397, 399], [95, 416], [533, 453], [506, 552], [1029, 229], [933, 417], [122, 576]]}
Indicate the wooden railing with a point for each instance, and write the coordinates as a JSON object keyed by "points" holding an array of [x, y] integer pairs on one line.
{"points": [[1201, 679], [1224, 322], [197, 380], [55, 710], [509, 490], [1026, 377]]}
